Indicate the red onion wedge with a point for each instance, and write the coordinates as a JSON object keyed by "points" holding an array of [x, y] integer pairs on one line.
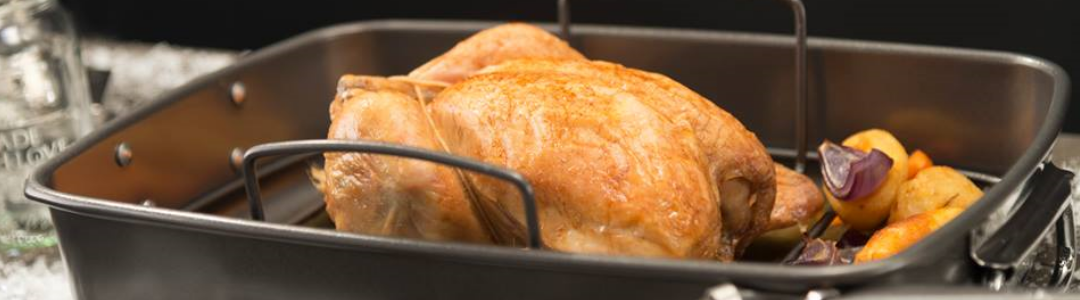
{"points": [[818, 252], [850, 173]]}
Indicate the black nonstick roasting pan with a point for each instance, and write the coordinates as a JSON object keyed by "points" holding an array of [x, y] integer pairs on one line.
{"points": [[153, 205]]}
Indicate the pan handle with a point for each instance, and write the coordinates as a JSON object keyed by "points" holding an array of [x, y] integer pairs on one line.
{"points": [[1047, 199], [251, 178]]}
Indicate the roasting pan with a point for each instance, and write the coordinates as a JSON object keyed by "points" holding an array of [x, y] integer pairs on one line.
{"points": [[152, 205]]}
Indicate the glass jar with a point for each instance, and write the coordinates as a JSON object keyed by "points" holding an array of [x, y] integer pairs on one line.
{"points": [[44, 107]]}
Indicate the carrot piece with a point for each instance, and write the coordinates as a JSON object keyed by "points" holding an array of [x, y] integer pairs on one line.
{"points": [[918, 161]]}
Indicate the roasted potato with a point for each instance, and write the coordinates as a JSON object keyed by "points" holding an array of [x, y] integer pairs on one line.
{"points": [[933, 188], [869, 212], [900, 235]]}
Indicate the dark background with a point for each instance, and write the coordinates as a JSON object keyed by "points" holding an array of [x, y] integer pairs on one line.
{"points": [[1046, 28]]}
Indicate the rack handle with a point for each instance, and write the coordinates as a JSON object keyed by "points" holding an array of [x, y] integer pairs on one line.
{"points": [[297, 147]]}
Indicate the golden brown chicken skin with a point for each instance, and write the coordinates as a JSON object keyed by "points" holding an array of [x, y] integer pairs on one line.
{"points": [[491, 47], [612, 175]]}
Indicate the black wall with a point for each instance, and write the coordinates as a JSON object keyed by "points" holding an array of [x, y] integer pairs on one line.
{"points": [[1045, 28]]}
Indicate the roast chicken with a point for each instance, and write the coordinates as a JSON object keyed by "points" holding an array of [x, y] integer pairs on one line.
{"points": [[622, 161]]}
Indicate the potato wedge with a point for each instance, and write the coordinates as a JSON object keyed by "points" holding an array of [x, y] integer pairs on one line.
{"points": [[933, 188], [900, 235], [869, 212]]}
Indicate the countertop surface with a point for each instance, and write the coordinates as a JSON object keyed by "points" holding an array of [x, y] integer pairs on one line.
{"points": [[1067, 147]]}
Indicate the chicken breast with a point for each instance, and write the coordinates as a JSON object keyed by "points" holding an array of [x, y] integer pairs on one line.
{"points": [[612, 175], [735, 160], [491, 47]]}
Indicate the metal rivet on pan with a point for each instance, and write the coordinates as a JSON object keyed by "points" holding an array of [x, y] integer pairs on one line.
{"points": [[238, 93], [148, 203], [123, 155], [236, 158]]}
